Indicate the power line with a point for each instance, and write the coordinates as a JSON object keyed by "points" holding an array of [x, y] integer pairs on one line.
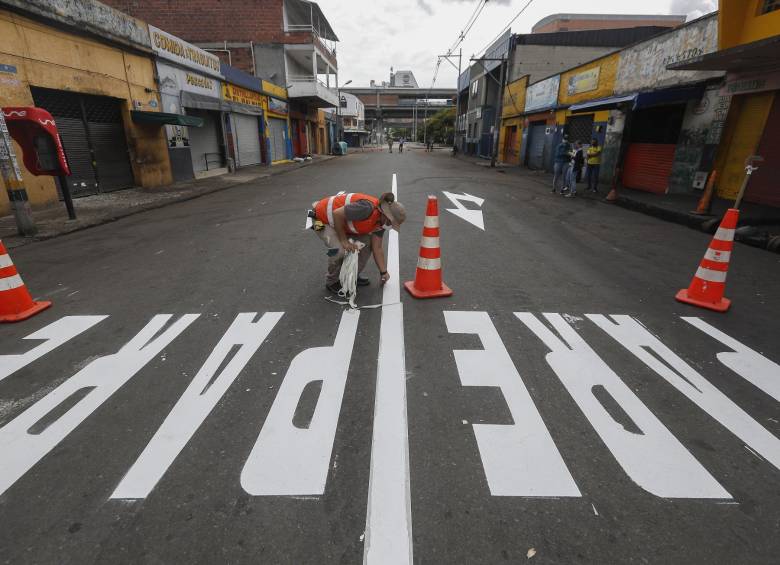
{"points": [[506, 27]]}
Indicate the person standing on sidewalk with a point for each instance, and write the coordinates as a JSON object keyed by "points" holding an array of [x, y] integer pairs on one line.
{"points": [[594, 164], [562, 164], [575, 172], [390, 143], [359, 217]]}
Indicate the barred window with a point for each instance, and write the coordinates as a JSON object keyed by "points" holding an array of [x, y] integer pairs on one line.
{"points": [[770, 6]]}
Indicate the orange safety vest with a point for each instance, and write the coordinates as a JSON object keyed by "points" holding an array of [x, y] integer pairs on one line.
{"points": [[325, 208]]}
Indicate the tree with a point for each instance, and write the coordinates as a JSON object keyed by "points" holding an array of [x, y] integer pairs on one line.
{"points": [[440, 127]]}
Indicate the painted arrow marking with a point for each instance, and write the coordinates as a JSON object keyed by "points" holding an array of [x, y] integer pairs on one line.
{"points": [[471, 216]]}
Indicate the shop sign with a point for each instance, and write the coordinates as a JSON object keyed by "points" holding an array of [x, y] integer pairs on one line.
{"points": [[583, 82], [242, 95], [277, 106], [747, 83], [543, 94], [173, 80], [174, 49]]}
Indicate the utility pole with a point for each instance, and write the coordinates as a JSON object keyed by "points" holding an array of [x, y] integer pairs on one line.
{"points": [[457, 89], [14, 183], [499, 105]]}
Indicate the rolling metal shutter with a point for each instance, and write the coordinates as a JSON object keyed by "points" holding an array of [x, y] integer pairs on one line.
{"points": [[204, 142], [277, 129], [536, 146], [648, 166], [764, 187], [247, 140], [93, 137]]}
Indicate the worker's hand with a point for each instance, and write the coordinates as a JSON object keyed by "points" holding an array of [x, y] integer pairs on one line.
{"points": [[349, 246], [384, 278]]}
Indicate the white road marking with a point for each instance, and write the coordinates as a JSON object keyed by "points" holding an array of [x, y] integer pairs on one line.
{"points": [[519, 459], [748, 364], [636, 339], [389, 515], [197, 402], [55, 334], [473, 217], [286, 459], [23, 448], [671, 471]]}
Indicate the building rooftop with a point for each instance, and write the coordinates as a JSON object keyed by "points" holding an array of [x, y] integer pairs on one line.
{"points": [[618, 37], [672, 19]]}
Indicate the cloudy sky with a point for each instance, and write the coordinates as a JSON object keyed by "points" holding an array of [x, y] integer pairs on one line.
{"points": [[409, 34]]}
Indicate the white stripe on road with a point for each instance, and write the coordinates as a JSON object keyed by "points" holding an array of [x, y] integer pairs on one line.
{"points": [[711, 276], [388, 519], [10, 283], [428, 264], [5, 261]]}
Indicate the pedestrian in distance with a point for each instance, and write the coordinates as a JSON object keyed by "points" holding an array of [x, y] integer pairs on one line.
{"points": [[594, 164], [430, 146], [401, 145], [360, 217], [390, 144], [575, 173], [561, 164]]}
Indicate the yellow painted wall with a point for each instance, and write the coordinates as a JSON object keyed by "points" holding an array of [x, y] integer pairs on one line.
{"points": [[277, 91], [51, 58], [739, 22], [607, 66], [514, 157], [747, 117], [514, 97]]}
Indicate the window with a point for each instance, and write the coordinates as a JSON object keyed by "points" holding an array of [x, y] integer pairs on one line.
{"points": [[770, 6], [474, 88]]}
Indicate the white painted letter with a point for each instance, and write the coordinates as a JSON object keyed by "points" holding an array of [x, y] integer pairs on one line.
{"points": [[55, 335], [520, 459], [23, 444], [634, 337], [647, 450], [748, 364], [288, 460], [197, 402]]}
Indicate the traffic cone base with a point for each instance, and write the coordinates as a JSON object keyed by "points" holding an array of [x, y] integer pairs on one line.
{"points": [[720, 306], [28, 313], [417, 293]]}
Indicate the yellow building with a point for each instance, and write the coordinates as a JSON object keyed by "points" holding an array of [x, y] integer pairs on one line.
{"points": [[748, 43], [90, 87], [511, 132], [277, 122]]}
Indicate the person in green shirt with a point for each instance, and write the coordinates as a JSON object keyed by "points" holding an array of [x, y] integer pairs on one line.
{"points": [[594, 164]]}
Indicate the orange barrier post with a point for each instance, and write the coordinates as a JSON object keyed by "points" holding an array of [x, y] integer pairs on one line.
{"points": [[427, 281], [16, 304], [709, 282], [612, 195], [703, 208]]}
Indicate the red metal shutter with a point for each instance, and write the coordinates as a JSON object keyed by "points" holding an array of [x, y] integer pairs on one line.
{"points": [[764, 187], [647, 166]]}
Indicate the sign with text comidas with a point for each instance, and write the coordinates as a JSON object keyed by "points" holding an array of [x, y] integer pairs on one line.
{"points": [[172, 48]]}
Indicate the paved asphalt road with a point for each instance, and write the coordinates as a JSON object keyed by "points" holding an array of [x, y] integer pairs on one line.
{"points": [[157, 420]]}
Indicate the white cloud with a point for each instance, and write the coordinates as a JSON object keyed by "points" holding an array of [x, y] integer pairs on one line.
{"points": [[693, 8]]}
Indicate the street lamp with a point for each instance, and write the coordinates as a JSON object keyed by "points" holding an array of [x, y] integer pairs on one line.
{"points": [[338, 110]]}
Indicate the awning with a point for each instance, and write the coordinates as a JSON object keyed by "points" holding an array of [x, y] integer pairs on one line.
{"points": [[668, 96], [200, 102], [161, 118], [239, 108], [601, 103]]}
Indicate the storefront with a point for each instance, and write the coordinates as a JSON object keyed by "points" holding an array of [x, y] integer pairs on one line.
{"points": [[91, 98], [245, 125], [190, 85], [279, 142], [539, 129]]}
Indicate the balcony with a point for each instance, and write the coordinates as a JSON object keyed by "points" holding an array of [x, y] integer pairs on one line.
{"points": [[311, 90]]}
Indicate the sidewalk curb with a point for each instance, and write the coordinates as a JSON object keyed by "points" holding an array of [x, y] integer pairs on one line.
{"points": [[19, 241]]}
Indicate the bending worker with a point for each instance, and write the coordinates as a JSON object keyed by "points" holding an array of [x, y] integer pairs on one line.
{"points": [[359, 217]]}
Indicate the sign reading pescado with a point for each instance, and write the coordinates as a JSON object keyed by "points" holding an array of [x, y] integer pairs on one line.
{"points": [[174, 49]]}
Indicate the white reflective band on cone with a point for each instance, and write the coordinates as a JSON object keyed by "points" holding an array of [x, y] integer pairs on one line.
{"points": [[718, 256], [10, 283], [711, 276], [428, 264], [430, 242], [725, 234], [431, 222], [5, 261]]}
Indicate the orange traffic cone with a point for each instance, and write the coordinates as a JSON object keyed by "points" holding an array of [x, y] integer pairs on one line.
{"points": [[709, 282], [16, 304], [427, 281]]}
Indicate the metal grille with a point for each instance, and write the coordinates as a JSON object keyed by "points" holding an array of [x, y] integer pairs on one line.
{"points": [[770, 6], [580, 128]]}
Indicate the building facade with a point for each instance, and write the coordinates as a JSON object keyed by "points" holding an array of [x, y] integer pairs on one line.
{"points": [[580, 22]]}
